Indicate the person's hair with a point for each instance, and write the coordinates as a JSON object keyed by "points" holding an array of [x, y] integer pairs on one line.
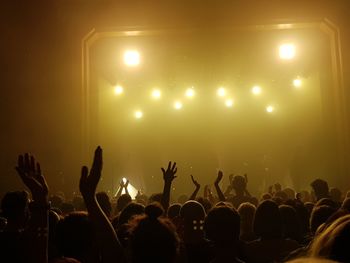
{"points": [[222, 226], [104, 202], [122, 202], [268, 221], [291, 223], [14, 205], [319, 215], [320, 188], [239, 183], [333, 242], [131, 210], [174, 210], [246, 212], [152, 237], [75, 235]]}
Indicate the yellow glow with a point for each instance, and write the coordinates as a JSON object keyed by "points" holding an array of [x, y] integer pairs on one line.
{"points": [[287, 51], [124, 180], [177, 105], [138, 114], [270, 108], [131, 58], [190, 92], [229, 103], [156, 94], [118, 90], [221, 92], [256, 90], [297, 83]]}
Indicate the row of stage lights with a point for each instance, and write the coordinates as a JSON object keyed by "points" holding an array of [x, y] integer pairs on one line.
{"points": [[190, 93], [132, 58]]}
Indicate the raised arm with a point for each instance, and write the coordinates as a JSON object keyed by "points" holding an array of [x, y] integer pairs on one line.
{"points": [[36, 233], [168, 177], [195, 192], [217, 187], [111, 250]]}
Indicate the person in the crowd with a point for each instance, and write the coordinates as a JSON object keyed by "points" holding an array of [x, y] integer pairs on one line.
{"points": [[246, 212]]}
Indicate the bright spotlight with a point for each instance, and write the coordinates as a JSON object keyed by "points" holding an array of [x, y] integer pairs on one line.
{"points": [[118, 90], [177, 105], [297, 83], [229, 103], [138, 114], [221, 92], [124, 180], [256, 90], [270, 109], [287, 51], [190, 92], [156, 94], [131, 58]]}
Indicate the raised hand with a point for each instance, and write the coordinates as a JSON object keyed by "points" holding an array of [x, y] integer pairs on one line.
{"points": [[195, 182], [89, 180], [219, 178], [169, 173], [30, 172]]}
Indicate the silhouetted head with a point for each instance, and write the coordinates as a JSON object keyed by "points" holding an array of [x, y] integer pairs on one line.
{"points": [[268, 222], [122, 201], [205, 203], [320, 215], [56, 201], [292, 227], [67, 208], [174, 210], [14, 206], [153, 238], [131, 210], [320, 188], [327, 201], [155, 198], [289, 192], [239, 183], [75, 236], [333, 242], [246, 212], [266, 196], [192, 214], [105, 203], [222, 226]]}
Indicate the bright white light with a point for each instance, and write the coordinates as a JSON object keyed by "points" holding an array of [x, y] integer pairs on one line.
{"points": [[131, 189], [177, 105], [229, 103], [287, 51], [138, 114], [131, 58], [221, 92], [190, 92], [297, 83], [156, 94], [124, 180], [270, 108], [118, 90], [256, 90]]}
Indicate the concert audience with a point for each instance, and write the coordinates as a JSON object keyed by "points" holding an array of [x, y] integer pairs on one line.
{"points": [[229, 226]]}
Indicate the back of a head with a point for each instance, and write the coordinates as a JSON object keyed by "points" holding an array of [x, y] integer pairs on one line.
{"points": [[268, 221], [247, 212], [320, 188], [327, 201], [222, 226], [192, 210], [75, 235], [104, 202], [174, 210], [291, 223], [289, 192], [205, 203], [122, 202], [319, 215], [131, 210], [14, 206], [333, 242], [239, 183], [153, 239]]}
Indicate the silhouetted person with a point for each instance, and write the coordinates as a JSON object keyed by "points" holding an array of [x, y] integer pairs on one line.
{"points": [[320, 188]]}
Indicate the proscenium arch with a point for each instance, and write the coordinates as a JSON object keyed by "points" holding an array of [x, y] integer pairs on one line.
{"points": [[337, 91]]}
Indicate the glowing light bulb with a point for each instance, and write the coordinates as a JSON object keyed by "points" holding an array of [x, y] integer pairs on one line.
{"points": [[297, 83], [256, 90], [177, 105], [229, 103], [221, 92], [131, 58], [270, 109], [190, 92], [287, 51], [118, 90], [156, 94], [138, 114]]}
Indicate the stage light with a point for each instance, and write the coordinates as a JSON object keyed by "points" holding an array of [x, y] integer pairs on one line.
{"points": [[131, 189], [297, 83], [270, 109], [229, 103], [124, 180], [190, 92], [221, 92], [118, 90], [138, 114], [156, 94], [256, 90], [177, 105], [131, 58], [287, 51]]}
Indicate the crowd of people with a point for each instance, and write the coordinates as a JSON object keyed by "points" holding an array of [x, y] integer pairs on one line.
{"points": [[219, 226]]}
